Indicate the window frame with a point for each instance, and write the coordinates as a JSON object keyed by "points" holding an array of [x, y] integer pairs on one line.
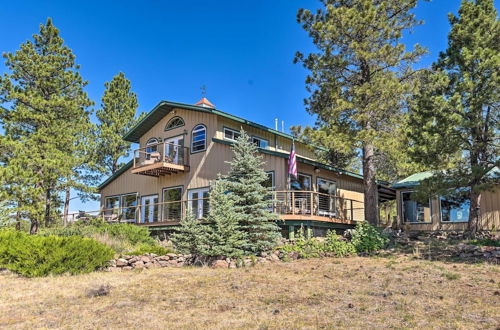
{"points": [[189, 201], [260, 139], [174, 127], [232, 130], [123, 207], [441, 213], [311, 181], [163, 199], [326, 179], [120, 207], [273, 180], [403, 214], [194, 130]]}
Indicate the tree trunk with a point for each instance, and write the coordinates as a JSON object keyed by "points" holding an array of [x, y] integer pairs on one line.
{"points": [[34, 226], [48, 202], [474, 215], [66, 206], [18, 221], [370, 184]]}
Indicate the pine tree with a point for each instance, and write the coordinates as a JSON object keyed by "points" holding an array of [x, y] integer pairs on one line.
{"points": [[44, 119], [225, 236], [191, 236], [360, 79], [454, 122], [252, 200], [116, 117]]}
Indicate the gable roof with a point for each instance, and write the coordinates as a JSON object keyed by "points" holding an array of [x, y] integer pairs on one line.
{"points": [[413, 180], [164, 107]]}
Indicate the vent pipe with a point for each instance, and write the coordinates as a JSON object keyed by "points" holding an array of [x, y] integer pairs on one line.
{"points": [[283, 126], [276, 124]]}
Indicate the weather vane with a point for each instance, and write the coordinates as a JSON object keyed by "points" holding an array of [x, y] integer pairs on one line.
{"points": [[203, 90]]}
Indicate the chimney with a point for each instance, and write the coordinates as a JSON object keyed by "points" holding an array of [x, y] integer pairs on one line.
{"points": [[205, 103], [276, 123]]}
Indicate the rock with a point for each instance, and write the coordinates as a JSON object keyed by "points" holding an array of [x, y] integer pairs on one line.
{"points": [[163, 258], [128, 268], [232, 264], [220, 264], [121, 262], [263, 254], [138, 264], [114, 269], [180, 259], [145, 259], [172, 262], [149, 265], [112, 263], [274, 258], [163, 263], [171, 255]]}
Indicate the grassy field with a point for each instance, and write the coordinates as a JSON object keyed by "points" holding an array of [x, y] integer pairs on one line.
{"points": [[398, 292]]}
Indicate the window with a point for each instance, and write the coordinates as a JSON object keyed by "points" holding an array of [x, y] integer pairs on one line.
{"points": [[174, 123], [129, 204], [198, 203], [123, 206], [261, 143], [454, 211], [172, 204], [112, 205], [269, 183], [199, 138], [326, 186], [302, 182], [231, 134], [415, 211], [326, 203]]}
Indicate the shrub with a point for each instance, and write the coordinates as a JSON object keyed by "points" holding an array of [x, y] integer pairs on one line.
{"points": [[313, 247], [31, 255], [367, 238], [156, 249], [486, 242]]}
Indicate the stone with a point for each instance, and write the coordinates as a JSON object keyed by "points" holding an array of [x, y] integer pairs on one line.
{"points": [[171, 255], [121, 262], [164, 258], [163, 263], [114, 269], [220, 264], [128, 268], [274, 258], [233, 264], [180, 259], [138, 264], [145, 259], [149, 265]]}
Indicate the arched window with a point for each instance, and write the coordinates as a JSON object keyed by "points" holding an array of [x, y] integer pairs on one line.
{"points": [[199, 138], [174, 123]]}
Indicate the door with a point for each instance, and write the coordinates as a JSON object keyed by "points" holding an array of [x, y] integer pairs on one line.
{"points": [[174, 150], [327, 189], [172, 208], [149, 209], [198, 202]]}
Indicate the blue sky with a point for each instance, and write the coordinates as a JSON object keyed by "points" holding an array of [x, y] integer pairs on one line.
{"points": [[242, 51]]}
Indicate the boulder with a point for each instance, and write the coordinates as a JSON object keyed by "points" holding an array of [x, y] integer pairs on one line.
{"points": [[163, 263], [121, 262], [138, 264]]}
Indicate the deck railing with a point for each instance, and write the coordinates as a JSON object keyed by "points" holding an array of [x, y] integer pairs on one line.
{"points": [[163, 152], [285, 203]]}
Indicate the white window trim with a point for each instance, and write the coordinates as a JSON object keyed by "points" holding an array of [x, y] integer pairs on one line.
{"points": [[261, 139], [233, 131], [196, 129], [199, 211], [441, 214]]}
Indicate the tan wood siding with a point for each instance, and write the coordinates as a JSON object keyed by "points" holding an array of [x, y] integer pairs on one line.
{"points": [[489, 214]]}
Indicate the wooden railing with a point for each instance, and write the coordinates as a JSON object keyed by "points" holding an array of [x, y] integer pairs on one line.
{"points": [[163, 152], [285, 203]]}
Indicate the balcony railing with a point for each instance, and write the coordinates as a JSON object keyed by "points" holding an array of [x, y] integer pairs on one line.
{"points": [[290, 205], [161, 159]]}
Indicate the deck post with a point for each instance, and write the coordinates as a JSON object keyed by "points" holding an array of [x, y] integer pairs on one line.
{"points": [[352, 212], [291, 232], [293, 203]]}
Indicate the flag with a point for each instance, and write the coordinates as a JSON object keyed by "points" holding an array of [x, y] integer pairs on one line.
{"points": [[292, 162]]}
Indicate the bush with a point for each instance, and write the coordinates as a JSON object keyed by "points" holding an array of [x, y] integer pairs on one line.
{"points": [[156, 249], [486, 242], [31, 255], [367, 238], [119, 236], [313, 247]]}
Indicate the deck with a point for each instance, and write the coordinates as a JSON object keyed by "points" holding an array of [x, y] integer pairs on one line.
{"points": [[160, 159]]}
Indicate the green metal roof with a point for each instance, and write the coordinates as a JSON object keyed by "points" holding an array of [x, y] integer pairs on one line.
{"points": [[115, 175], [413, 180], [164, 107]]}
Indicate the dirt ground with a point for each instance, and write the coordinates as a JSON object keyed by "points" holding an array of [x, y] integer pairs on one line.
{"points": [[357, 292]]}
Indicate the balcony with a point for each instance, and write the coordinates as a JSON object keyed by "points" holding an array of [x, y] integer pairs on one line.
{"points": [[162, 158]]}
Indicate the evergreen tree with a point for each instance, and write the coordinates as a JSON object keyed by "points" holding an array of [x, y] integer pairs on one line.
{"points": [[44, 118], [456, 112], [225, 236], [360, 79], [252, 200], [191, 236], [116, 117]]}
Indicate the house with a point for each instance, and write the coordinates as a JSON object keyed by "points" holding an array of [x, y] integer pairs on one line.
{"points": [[438, 213], [183, 147]]}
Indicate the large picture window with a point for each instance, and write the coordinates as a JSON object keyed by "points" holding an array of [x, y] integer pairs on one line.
{"points": [[112, 205], [173, 205], [129, 204], [199, 138], [415, 211], [121, 207], [302, 182], [454, 211]]}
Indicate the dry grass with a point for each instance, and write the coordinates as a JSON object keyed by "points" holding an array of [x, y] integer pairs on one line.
{"points": [[322, 293]]}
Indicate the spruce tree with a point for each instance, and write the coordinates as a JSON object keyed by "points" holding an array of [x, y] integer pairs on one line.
{"points": [[360, 80], [116, 117], [252, 200], [225, 236], [454, 121], [44, 118], [191, 236]]}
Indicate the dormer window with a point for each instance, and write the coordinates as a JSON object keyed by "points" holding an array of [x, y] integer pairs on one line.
{"points": [[174, 123]]}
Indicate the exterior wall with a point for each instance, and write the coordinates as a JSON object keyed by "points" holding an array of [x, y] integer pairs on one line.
{"points": [[489, 214], [206, 165]]}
